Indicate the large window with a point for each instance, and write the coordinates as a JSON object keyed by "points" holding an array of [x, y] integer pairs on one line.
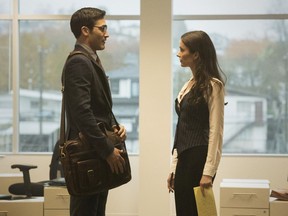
{"points": [[251, 44], [43, 40]]}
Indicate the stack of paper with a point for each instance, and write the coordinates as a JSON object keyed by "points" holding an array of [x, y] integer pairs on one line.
{"points": [[205, 204], [281, 194]]}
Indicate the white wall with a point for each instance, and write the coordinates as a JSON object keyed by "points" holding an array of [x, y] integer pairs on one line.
{"points": [[155, 113]]}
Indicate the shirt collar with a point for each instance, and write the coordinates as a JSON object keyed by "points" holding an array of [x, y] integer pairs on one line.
{"points": [[89, 50]]}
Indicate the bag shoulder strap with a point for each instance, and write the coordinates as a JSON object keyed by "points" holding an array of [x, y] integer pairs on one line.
{"points": [[62, 124]]}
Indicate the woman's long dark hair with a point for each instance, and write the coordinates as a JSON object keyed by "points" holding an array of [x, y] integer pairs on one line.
{"points": [[207, 66]]}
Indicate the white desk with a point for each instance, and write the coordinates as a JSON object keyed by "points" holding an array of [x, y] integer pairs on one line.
{"points": [[244, 197], [57, 201], [22, 207], [278, 208]]}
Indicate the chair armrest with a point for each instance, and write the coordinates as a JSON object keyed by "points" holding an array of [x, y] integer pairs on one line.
{"points": [[23, 167]]}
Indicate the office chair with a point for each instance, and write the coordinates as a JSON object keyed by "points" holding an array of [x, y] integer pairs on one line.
{"points": [[27, 189]]}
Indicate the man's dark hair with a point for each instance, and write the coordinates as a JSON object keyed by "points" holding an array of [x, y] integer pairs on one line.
{"points": [[85, 17]]}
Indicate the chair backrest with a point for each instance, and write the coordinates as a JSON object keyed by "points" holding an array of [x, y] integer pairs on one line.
{"points": [[56, 170]]}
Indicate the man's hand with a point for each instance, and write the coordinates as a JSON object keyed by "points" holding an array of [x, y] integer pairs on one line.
{"points": [[205, 182], [121, 132], [116, 162]]}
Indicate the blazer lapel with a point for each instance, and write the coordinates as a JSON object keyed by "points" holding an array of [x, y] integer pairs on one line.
{"points": [[100, 71]]}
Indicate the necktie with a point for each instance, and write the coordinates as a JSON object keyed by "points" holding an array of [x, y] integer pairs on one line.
{"points": [[99, 62]]}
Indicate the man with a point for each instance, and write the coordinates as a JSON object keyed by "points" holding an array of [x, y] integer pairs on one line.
{"points": [[86, 104]]}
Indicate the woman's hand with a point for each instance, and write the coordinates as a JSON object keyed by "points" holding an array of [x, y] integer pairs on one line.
{"points": [[170, 182], [205, 182]]}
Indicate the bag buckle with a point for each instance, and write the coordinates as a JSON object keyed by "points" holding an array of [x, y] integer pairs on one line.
{"points": [[62, 154]]}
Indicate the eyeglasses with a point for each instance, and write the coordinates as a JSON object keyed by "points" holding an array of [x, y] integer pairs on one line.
{"points": [[102, 28]]}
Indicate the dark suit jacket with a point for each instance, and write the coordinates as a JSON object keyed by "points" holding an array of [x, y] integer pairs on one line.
{"points": [[86, 105]]}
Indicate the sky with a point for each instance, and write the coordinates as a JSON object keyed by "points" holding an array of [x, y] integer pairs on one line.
{"points": [[181, 7]]}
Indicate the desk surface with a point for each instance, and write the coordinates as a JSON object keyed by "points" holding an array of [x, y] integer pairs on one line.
{"points": [[32, 199], [25, 207]]}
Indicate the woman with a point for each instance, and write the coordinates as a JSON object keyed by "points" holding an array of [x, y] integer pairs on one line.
{"points": [[199, 133]]}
